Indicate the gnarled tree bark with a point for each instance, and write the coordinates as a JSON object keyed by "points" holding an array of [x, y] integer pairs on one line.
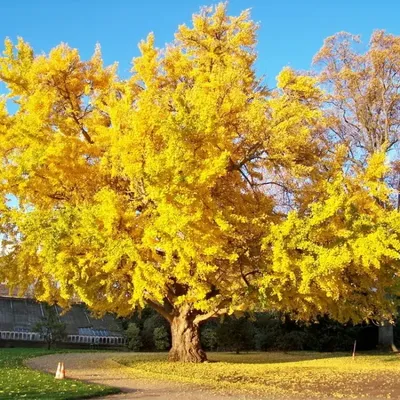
{"points": [[185, 323], [185, 332]]}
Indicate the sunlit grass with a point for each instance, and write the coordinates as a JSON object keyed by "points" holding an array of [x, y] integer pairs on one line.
{"points": [[20, 382], [296, 374]]}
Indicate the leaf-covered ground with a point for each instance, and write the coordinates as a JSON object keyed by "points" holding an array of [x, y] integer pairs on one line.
{"points": [[20, 382], [288, 375]]}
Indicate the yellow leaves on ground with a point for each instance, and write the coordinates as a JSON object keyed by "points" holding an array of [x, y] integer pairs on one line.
{"points": [[289, 375]]}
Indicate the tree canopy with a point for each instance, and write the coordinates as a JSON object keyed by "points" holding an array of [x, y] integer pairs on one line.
{"points": [[193, 188]]}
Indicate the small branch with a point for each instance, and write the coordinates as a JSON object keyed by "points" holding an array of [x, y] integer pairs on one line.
{"points": [[244, 276], [274, 183]]}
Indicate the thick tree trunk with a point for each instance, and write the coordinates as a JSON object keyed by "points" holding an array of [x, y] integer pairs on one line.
{"points": [[185, 334]]}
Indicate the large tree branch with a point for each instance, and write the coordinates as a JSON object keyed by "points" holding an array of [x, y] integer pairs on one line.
{"points": [[74, 115], [221, 309], [160, 309], [254, 152]]}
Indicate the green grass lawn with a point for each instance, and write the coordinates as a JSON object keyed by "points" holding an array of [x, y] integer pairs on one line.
{"points": [[287, 375], [20, 382]]}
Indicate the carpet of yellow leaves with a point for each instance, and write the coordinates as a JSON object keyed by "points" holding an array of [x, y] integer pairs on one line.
{"points": [[282, 375]]}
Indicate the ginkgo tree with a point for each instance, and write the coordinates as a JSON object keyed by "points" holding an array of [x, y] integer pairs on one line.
{"points": [[188, 187]]}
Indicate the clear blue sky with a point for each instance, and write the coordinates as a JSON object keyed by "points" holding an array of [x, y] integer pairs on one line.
{"points": [[291, 30]]}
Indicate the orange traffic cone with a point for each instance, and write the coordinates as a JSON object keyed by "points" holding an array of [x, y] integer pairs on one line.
{"points": [[62, 371], [58, 373]]}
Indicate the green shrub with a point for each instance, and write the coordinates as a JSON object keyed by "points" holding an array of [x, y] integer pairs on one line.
{"points": [[134, 337]]}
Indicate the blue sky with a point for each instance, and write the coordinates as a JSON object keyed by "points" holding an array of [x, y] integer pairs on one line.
{"points": [[291, 31]]}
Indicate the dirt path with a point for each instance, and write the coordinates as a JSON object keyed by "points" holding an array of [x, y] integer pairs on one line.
{"points": [[91, 367]]}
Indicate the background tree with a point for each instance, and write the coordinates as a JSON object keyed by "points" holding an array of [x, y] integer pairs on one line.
{"points": [[50, 327], [274, 331], [363, 92], [188, 187], [236, 334], [363, 98], [363, 102], [208, 335], [149, 326], [161, 338]]}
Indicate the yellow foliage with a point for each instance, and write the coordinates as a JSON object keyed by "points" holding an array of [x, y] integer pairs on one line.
{"points": [[173, 187]]}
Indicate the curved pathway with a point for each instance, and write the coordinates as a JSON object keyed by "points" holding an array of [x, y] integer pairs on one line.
{"points": [[98, 368]]}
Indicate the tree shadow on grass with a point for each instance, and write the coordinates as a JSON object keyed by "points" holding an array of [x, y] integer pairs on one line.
{"points": [[288, 357]]}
